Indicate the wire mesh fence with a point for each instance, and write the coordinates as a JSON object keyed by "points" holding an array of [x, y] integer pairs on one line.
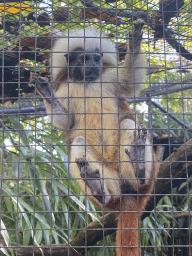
{"points": [[96, 127]]}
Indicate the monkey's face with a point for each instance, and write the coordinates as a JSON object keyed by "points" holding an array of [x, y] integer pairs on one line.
{"points": [[83, 66]]}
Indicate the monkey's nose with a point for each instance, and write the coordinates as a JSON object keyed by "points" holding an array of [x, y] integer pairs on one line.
{"points": [[78, 74], [91, 74]]}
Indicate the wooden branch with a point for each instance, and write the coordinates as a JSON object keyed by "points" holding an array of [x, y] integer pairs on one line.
{"points": [[159, 153], [176, 45], [175, 164], [95, 8], [180, 215], [173, 168], [117, 13]]}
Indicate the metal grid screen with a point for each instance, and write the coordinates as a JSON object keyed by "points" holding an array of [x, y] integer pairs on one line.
{"points": [[90, 146]]}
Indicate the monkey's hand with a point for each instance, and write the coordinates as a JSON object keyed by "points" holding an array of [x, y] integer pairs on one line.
{"points": [[137, 153], [54, 108], [135, 38], [92, 178], [43, 87]]}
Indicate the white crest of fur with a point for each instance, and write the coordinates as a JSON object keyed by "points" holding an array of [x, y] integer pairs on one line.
{"points": [[88, 39]]}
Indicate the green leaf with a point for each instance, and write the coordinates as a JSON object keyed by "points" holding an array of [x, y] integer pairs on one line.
{"points": [[18, 125], [38, 233], [26, 235], [6, 238]]}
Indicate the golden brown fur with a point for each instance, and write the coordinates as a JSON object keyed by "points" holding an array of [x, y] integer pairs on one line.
{"points": [[102, 127]]}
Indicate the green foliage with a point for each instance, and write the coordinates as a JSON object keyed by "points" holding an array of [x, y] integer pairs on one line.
{"points": [[39, 197], [156, 226]]}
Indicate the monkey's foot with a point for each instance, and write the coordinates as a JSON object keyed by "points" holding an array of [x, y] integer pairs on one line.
{"points": [[92, 178], [137, 152], [135, 38]]}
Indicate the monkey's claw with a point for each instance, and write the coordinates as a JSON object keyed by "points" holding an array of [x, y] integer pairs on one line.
{"points": [[92, 178]]}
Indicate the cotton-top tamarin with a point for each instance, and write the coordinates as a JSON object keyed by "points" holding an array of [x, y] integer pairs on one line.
{"points": [[110, 155]]}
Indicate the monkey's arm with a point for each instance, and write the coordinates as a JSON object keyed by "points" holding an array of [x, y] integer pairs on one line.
{"points": [[132, 73], [58, 113]]}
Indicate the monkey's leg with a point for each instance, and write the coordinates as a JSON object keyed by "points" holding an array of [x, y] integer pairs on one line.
{"points": [[54, 108], [137, 153], [107, 181], [136, 156], [126, 169]]}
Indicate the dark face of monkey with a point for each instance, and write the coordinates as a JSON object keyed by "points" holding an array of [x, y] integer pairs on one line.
{"points": [[84, 66]]}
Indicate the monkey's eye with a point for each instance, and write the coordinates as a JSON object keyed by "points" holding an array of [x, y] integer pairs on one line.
{"points": [[97, 58], [86, 58]]}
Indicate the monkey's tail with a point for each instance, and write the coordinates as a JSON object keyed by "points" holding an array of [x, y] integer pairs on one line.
{"points": [[128, 227], [131, 207]]}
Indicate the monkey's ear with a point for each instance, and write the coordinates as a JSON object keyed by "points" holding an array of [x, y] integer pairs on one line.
{"points": [[66, 56]]}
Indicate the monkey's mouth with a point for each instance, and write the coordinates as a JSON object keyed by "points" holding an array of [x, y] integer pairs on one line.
{"points": [[90, 78], [86, 75]]}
